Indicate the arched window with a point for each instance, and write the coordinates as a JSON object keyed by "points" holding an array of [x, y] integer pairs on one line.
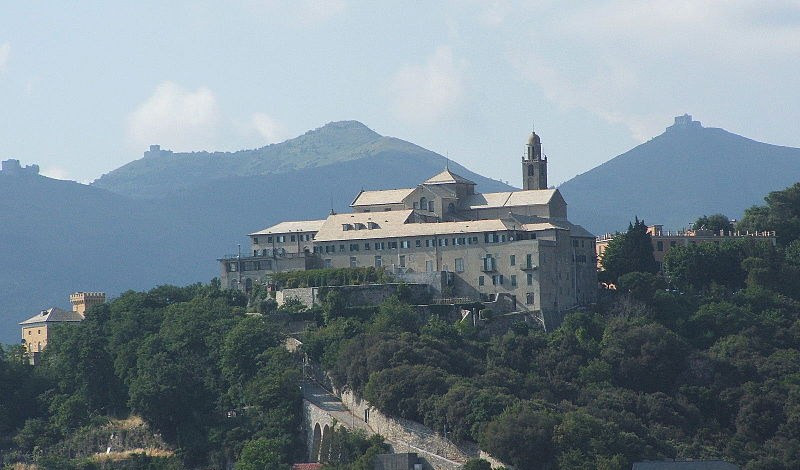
{"points": [[451, 207], [423, 203]]}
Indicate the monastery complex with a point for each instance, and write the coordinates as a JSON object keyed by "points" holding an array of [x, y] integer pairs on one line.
{"points": [[517, 244]]}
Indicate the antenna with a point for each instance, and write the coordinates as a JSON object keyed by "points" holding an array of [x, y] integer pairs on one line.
{"points": [[447, 161]]}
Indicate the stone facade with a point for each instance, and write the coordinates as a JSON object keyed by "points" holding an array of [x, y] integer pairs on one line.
{"points": [[516, 243], [367, 294]]}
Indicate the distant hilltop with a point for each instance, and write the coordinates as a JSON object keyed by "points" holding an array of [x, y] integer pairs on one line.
{"points": [[156, 151], [684, 122], [12, 167]]}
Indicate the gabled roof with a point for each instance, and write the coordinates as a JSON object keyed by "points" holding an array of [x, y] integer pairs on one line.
{"points": [[531, 197], [293, 226], [386, 196], [53, 315], [446, 177]]}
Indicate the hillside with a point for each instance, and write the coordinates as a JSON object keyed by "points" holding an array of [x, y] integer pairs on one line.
{"points": [[161, 173], [60, 236], [684, 173]]}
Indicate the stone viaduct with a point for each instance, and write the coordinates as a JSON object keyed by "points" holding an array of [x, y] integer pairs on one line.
{"points": [[323, 411]]}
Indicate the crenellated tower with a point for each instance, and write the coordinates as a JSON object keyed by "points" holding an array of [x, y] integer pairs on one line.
{"points": [[534, 164]]}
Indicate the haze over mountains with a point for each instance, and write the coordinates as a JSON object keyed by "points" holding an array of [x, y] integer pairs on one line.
{"points": [[165, 218], [672, 179]]}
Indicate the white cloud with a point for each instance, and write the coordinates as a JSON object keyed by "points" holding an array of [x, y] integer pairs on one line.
{"points": [[424, 93], [176, 118], [55, 172], [268, 128], [301, 12], [316, 11], [5, 53], [635, 64]]}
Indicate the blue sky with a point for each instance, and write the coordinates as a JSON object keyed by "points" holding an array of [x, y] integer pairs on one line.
{"points": [[86, 86]]}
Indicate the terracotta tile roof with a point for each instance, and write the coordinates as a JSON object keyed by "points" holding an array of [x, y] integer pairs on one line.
{"points": [[386, 196], [307, 466], [446, 177]]}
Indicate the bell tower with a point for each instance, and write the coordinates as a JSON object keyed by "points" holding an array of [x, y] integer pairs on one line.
{"points": [[534, 165]]}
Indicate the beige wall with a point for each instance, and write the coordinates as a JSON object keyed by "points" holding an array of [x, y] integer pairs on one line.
{"points": [[35, 337], [562, 277]]}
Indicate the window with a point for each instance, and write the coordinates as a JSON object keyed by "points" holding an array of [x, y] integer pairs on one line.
{"points": [[416, 205], [269, 239], [353, 262], [443, 242], [429, 266], [405, 244], [660, 245], [530, 279], [529, 261], [341, 248], [392, 245], [255, 252], [529, 298], [480, 281], [328, 263], [292, 238], [354, 247], [459, 265], [513, 280], [378, 261], [402, 261], [512, 260], [430, 206], [427, 242], [497, 280], [366, 246], [232, 267], [418, 243], [281, 238], [423, 203], [255, 240], [488, 263]]}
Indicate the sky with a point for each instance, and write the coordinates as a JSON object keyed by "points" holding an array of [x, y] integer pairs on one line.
{"points": [[86, 86]]}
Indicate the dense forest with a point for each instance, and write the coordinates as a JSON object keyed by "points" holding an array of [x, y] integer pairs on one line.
{"points": [[703, 362]]}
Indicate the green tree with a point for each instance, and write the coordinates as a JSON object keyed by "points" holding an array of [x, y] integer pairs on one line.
{"points": [[523, 435], [781, 214], [260, 454], [629, 252], [715, 223]]}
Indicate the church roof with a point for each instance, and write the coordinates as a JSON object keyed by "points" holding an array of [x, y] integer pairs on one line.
{"points": [[53, 315], [446, 177], [530, 197], [386, 196], [293, 226]]}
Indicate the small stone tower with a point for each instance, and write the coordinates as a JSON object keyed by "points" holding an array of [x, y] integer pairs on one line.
{"points": [[534, 165], [83, 301]]}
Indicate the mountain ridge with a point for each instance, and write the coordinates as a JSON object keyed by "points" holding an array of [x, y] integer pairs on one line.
{"points": [[679, 175]]}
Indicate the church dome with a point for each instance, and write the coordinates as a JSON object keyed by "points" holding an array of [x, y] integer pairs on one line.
{"points": [[533, 139]]}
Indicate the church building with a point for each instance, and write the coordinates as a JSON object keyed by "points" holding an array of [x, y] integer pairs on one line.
{"points": [[515, 244]]}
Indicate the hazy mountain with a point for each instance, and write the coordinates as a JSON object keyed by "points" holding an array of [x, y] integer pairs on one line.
{"points": [[59, 236], [161, 172], [686, 172]]}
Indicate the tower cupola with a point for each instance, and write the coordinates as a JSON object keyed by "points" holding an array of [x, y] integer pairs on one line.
{"points": [[534, 164]]}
